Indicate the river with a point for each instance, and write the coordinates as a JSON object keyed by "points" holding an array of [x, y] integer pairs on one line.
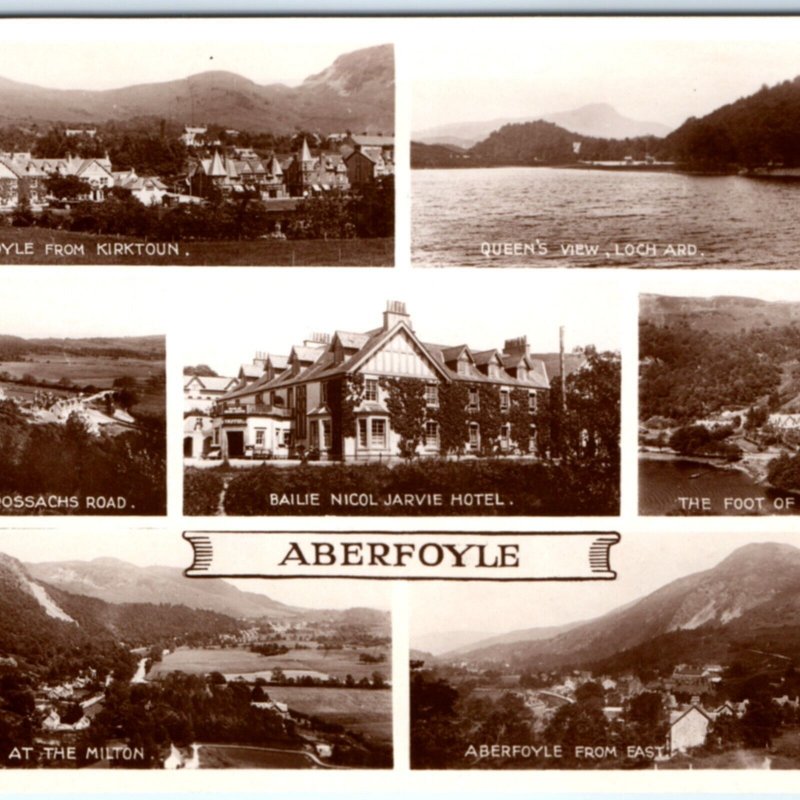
{"points": [[712, 491], [732, 221]]}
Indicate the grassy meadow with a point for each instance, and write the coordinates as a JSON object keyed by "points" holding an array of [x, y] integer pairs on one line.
{"points": [[52, 246]]}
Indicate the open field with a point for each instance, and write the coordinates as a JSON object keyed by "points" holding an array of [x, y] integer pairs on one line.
{"points": [[229, 756], [361, 710], [783, 754], [51, 246], [82, 370], [337, 663]]}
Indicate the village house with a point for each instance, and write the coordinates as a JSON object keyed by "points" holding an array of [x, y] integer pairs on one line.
{"points": [[90, 133], [194, 136], [300, 404], [687, 728], [308, 174], [21, 180], [148, 191], [237, 175], [372, 157], [200, 392]]}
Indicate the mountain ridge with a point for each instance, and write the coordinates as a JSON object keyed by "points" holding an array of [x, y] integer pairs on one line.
{"points": [[356, 93], [593, 119], [745, 586]]}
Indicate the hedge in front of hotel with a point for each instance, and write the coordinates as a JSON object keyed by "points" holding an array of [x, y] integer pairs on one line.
{"points": [[525, 488], [201, 492]]}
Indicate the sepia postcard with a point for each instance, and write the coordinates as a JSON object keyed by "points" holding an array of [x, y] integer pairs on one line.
{"points": [[311, 515]]}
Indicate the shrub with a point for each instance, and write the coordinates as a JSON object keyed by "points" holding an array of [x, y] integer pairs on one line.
{"points": [[523, 488], [201, 491]]}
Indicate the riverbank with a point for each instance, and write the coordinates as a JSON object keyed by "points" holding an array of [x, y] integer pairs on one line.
{"points": [[754, 465]]}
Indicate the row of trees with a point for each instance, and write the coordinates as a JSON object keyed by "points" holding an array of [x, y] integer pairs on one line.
{"points": [[755, 131], [367, 213], [69, 461], [446, 719], [690, 373]]}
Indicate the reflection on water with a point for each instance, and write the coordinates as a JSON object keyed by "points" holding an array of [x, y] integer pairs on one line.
{"points": [[705, 490], [731, 220]]}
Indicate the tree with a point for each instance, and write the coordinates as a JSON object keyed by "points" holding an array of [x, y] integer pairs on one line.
{"points": [[520, 419], [407, 408], [66, 187], [489, 417], [760, 722], [378, 680], [592, 425], [451, 416]]}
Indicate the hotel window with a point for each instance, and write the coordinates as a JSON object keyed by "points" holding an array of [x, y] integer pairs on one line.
{"points": [[287, 438], [260, 432], [505, 433], [474, 436], [505, 400], [431, 394], [532, 440], [494, 371], [432, 434], [532, 402], [462, 368], [378, 433], [362, 433], [324, 392], [371, 389], [326, 434], [474, 400]]}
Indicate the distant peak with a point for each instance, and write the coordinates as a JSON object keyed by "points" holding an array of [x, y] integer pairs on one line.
{"points": [[756, 552]]}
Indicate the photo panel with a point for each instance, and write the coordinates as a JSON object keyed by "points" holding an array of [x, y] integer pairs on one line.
{"points": [[614, 142], [374, 397], [719, 414], [230, 144], [684, 661], [83, 398], [111, 657]]}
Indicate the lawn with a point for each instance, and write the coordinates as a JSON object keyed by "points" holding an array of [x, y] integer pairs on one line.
{"points": [[361, 710], [231, 756], [50, 246], [337, 663]]}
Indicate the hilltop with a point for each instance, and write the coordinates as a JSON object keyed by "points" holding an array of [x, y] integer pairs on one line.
{"points": [[355, 93]]}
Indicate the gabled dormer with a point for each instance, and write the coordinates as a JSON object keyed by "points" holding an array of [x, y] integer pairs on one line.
{"points": [[489, 364]]}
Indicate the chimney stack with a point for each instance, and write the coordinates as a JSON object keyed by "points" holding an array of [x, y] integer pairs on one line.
{"points": [[394, 314], [517, 347]]}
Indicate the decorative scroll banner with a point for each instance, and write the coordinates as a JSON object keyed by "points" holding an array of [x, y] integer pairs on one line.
{"points": [[407, 556]]}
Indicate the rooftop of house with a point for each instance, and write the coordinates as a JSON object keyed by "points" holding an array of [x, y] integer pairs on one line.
{"points": [[347, 351]]}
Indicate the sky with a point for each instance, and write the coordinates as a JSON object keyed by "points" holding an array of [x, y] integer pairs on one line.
{"points": [[654, 70], [101, 539], [108, 54], [644, 562], [271, 310], [779, 286], [73, 302]]}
